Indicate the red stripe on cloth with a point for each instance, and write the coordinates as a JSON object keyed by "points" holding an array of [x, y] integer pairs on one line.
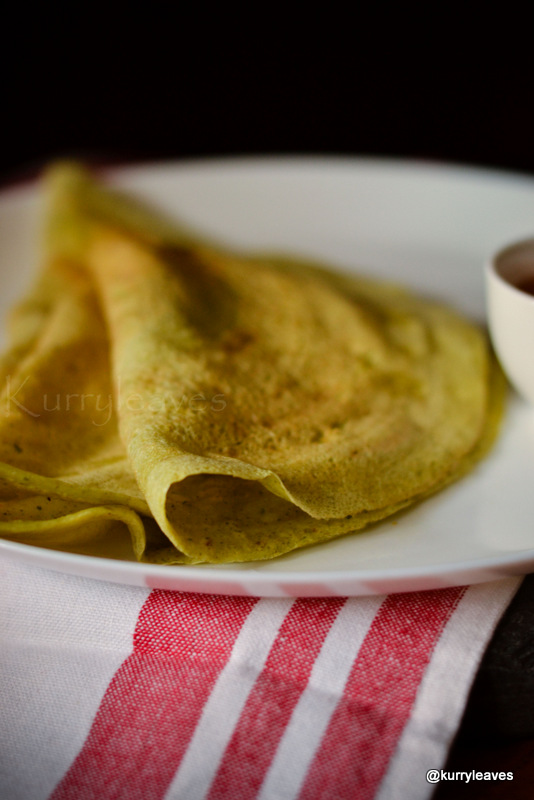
{"points": [[273, 698], [151, 707], [353, 755]]}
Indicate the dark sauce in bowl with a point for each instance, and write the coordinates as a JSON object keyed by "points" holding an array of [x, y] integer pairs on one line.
{"points": [[526, 284]]}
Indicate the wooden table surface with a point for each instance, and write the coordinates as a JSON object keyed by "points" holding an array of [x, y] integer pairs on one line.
{"points": [[516, 757]]}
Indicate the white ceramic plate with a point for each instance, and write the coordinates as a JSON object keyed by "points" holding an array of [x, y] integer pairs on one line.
{"points": [[428, 226]]}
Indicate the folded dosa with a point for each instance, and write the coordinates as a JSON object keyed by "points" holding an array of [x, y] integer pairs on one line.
{"points": [[219, 406]]}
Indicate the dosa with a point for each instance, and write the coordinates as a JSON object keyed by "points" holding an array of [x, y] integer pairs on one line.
{"points": [[220, 407]]}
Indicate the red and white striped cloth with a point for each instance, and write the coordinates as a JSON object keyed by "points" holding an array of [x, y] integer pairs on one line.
{"points": [[112, 691]]}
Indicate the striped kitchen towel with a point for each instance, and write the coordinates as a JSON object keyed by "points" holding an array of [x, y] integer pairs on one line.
{"points": [[112, 691]]}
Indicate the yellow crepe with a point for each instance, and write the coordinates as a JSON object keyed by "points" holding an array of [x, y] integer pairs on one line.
{"points": [[210, 406]]}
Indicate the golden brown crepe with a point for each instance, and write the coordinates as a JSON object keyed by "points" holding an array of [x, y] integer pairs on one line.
{"points": [[221, 407]]}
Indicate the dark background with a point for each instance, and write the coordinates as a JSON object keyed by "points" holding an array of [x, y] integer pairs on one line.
{"points": [[429, 85]]}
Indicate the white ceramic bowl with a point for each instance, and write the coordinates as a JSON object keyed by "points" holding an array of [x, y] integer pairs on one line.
{"points": [[511, 313]]}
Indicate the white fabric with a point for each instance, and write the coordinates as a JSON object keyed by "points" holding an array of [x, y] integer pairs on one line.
{"points": [[63, 638], [319, 700], [227, 700], [443, 692]]}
